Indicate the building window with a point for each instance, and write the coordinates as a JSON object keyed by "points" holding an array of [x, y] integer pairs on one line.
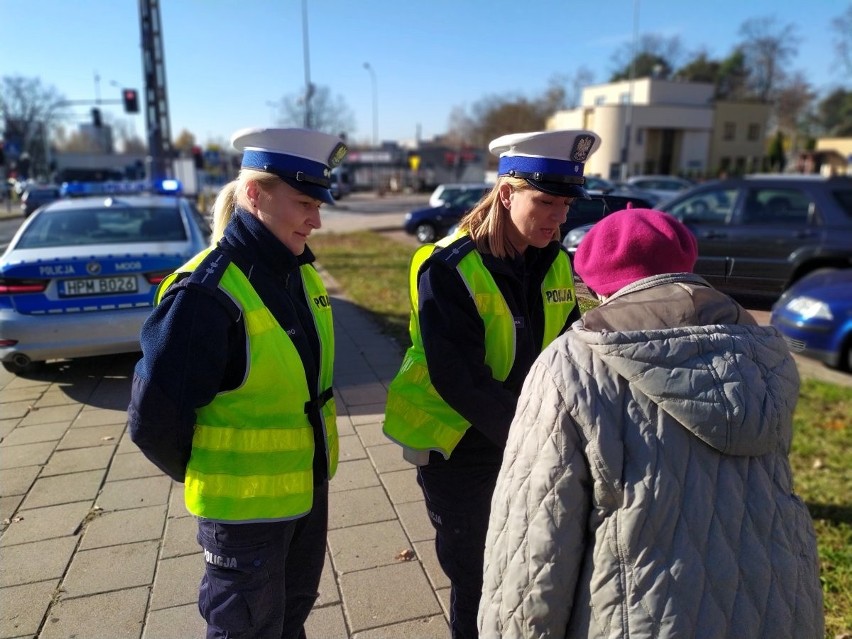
{"points": [[601, 99], [730, 131], [753, 132], [640, 136], [624, 98]]}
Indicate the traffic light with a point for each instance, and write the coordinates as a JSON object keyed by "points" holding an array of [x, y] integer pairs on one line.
{"points": [[131, 100], [96, 117], [198, 157]]}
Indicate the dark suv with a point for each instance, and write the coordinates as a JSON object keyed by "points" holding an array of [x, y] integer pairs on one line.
{"points": [[758, 234], [38, 195]]}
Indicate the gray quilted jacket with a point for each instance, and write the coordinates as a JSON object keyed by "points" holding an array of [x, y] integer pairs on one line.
{"points": [[645, 489]]}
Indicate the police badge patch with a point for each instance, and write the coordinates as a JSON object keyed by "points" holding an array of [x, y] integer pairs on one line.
{"points": [[337, 154], [582, 146]]}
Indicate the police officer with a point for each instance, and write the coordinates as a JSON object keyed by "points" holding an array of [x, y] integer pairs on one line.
{"points": [[485, 303], [233, 393]]}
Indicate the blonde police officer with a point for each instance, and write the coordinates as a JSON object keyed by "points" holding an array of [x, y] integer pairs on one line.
{"points": [[485, 303], [233, 394]]}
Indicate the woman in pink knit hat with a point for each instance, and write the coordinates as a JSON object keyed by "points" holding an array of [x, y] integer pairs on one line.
{"points": [[645, 489]]}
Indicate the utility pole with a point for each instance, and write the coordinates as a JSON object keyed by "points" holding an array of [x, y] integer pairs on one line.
{"points": [[309, 88], [628, 123], [156, 102]]}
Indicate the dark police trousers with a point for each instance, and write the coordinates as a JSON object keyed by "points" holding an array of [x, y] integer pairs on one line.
{"points": [[458, 501], [262, 579]]}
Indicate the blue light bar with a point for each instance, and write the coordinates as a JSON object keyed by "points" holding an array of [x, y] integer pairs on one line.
{"points": [[166, 186]]}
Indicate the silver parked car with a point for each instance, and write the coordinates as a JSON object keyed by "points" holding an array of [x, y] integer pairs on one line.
{"points": [[663, 187]]}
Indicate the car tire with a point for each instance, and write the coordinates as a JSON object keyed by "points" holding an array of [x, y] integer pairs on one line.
{"points": [[425, 233], [844, 363], [27, 369]]}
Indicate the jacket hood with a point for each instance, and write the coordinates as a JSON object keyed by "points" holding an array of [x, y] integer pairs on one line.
{"points": [[734, 386]]}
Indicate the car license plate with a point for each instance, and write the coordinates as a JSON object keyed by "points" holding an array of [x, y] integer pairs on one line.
{"points": [[98, 286]]}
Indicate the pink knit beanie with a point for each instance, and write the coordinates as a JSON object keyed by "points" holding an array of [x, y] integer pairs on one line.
{"points": [[632, 244]]}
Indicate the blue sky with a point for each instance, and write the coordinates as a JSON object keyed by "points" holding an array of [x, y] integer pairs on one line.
{"points": [[227, 59]]}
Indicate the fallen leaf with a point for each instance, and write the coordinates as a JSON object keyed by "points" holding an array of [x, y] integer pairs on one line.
{"points": [[405, 555]]}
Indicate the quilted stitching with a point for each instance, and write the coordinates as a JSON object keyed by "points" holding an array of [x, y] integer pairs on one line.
{"points": [[679, 506]]}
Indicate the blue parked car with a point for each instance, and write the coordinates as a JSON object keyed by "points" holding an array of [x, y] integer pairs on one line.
{"points": [[815, 317], [432, 223]]}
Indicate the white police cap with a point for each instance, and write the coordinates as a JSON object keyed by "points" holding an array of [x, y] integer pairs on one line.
{"points": [[550, 161], [301, 157]]}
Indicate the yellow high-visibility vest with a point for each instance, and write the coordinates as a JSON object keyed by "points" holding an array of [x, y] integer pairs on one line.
{"points": [[416, 416], [253, 446]]}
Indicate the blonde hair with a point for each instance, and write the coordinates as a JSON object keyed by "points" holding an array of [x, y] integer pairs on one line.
{"points": [[487, 222], [232, 195]]}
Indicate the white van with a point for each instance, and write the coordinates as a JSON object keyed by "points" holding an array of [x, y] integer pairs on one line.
{"points": [[446, 193]]}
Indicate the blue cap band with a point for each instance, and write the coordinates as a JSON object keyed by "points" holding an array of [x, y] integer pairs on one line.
{"points": [[290, 166], [546, 166]]}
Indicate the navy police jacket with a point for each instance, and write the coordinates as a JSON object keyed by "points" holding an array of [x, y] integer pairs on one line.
{"points": [[194, 346], [454, 342]]}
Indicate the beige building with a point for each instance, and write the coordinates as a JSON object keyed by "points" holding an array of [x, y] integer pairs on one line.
{"points": [[676, 128], [836, 154]]}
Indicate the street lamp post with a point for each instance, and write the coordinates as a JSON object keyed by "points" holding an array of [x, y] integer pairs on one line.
{"points": [[309, 89], [372, 71], [628, 124]]}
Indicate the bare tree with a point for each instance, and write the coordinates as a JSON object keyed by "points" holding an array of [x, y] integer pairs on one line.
{"points": [[794, 100], [576, 82], [328, 113], [842, 27], [768, 49], [793, 108], [460, 127], [28, 112]]}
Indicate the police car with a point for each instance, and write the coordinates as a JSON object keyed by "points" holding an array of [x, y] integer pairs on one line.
{"points": [[79, 277]]}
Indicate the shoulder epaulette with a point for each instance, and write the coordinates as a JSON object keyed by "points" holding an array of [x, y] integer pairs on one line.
{"points": [[453, 253], [211, 269], [207, 276]]}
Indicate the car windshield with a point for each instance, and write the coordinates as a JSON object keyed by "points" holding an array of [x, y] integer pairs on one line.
{"points": [[42, 193], [467, 198], [120, 225]]}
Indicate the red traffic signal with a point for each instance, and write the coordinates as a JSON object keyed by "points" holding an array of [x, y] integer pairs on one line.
{"points": [[198, 157], [131, 100]]}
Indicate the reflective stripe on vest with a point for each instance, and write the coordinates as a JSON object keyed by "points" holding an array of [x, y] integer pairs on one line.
{"points": [[416, 416], [253, 449]]}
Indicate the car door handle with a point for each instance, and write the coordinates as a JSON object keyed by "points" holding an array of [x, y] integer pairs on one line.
{"points": [[714, 235], [803, 234]]}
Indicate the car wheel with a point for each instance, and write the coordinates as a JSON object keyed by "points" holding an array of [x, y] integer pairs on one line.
{"points": [[425, 233], [27, 368], [845, 361]]}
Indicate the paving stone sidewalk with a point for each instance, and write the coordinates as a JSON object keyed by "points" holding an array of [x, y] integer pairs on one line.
{"points": [[96, 542]]}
